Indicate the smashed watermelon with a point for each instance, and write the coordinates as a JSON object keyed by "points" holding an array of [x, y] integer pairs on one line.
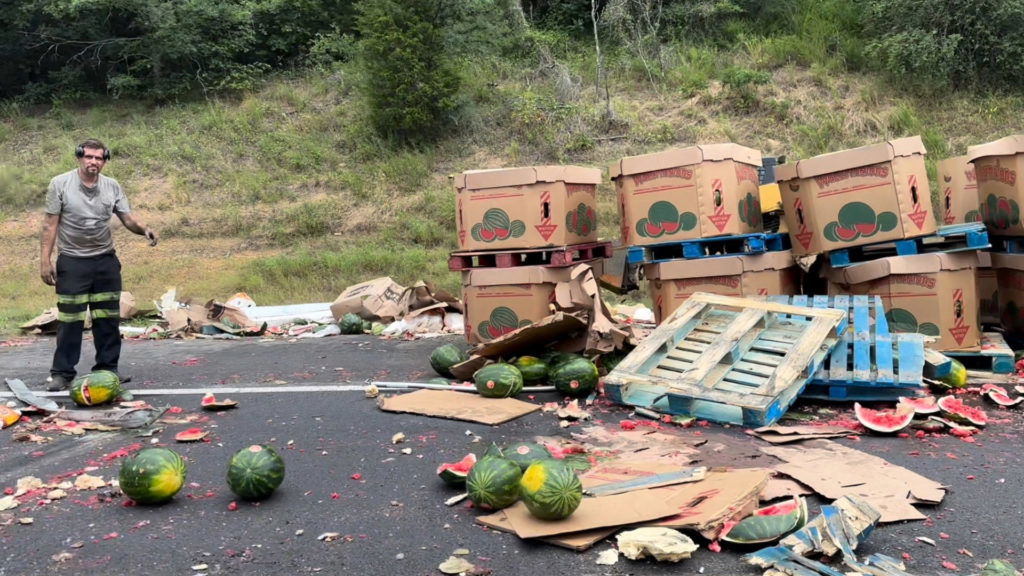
{"points": [[954, 409], [454, 473], [884, 421]]}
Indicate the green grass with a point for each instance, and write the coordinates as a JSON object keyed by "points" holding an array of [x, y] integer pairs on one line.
{"points": [[285, 193]]}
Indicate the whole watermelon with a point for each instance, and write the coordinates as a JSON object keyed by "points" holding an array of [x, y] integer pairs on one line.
{"points": [[350, 324], [498, 380], [255, 472], [576, 378], [444, 357], [532, 368], [152, 475], [96, 388], [493, 483], [550, 489], [525, 453]]}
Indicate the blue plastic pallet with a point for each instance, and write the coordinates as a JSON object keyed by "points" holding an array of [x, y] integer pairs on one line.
{"points": [[695, 248], [869, 362], [952, 238], [1009, 245]]}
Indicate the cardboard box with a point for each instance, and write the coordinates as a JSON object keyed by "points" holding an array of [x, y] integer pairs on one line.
{"points": [[531, 207], [988, 290], [700, 191], [1000, 193], [855, 197], [958, 191], [671, 283], [379, 298], [1009, 269], [933, 294], [500, 300]]}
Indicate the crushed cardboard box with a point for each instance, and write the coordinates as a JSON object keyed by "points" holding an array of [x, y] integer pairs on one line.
{"points": [[380, 298]]}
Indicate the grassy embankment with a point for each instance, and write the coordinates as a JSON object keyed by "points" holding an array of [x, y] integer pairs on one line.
{"points": [[283, 193]]}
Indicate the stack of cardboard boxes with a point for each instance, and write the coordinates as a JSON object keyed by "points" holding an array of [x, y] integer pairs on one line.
{"points": [[876, 194], [698, 192], [516, 213], [1000, 194]]}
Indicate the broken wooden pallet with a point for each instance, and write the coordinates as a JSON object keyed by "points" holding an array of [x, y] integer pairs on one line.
{"points": [[732, 360], [869, 363]]}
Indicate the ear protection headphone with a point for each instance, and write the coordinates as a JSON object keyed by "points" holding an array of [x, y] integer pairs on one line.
{"points": [[80, 151]]}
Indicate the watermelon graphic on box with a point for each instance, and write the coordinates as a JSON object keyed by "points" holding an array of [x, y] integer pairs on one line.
{"points": [[664, 219], [496, 225], [502, 321]]}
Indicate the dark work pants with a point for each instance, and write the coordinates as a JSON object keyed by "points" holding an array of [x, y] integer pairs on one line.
{"points": [[92, 283]]}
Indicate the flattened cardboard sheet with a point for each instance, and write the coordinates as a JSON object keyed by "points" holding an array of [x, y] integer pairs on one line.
{"points": [[834, 471], [457, 406]]}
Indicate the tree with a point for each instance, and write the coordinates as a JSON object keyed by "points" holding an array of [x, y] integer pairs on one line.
{"points": [[409, 85]]}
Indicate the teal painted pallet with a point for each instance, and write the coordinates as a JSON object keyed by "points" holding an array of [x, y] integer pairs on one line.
{"points": [[868, 363], [731, 360], [953, 238]]}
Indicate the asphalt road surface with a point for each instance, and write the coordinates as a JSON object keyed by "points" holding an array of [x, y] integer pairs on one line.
{"points": [[387, 508]]}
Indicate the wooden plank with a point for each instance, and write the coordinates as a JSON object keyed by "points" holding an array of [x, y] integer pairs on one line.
{"points": [[885, 373], [727, 346], [861, 340]]}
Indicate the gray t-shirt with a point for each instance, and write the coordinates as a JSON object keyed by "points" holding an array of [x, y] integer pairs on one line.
{"points": [[85, 213]]}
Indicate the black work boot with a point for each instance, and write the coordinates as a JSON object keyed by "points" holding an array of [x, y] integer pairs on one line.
{"points": [[57, 383]]}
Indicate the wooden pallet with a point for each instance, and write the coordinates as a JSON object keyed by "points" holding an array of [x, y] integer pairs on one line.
{"points": [[732, 360], [952, 238], [869, 363], [694, 248], [552, 256], [993, 354]]}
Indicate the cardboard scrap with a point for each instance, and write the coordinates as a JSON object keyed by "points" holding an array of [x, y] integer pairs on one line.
{"points": [[780, 487], [834, 471], [380, 298], [457, 406], [577, 541], [784, 434], [600, 512]]}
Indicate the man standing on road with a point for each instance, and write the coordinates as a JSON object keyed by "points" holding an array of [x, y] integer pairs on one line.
{"points": [[79, 205]]}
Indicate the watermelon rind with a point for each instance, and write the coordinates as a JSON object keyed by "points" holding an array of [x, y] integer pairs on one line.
{"points": [[254, 473], [550, 489], [525, 453], [765, 528], [921, 404], [444, 357], [498, 380], [576, 378], [95, 388], [493, 483], [152, 475], [954, 409], [884, 421], [1003, 399], [454, 473]]}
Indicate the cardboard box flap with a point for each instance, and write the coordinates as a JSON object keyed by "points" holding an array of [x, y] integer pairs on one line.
{"points": [[916, 264], [1007, 146], [984, 259], [502, 177], [1010, 261], [676, 157], [849, 159], [950, 166]]}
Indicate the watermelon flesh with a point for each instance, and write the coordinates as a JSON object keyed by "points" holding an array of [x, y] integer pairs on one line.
{"points": [[922, 404], [956, 410], [884, 421], [454, 473], [767, 524]]}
